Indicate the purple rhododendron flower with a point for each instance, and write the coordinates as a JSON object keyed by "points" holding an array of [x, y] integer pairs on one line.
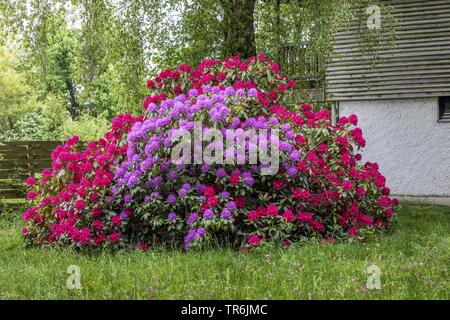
{"points": [[205, 167], [292, 171], [208, 214], [231, 205], [192, 218], [295, 155], [189, 237], [252, 93], [115, 190], [183, 192], [193, 93], [225, 214], [289, 135], [171, 199], [152, 107], [285, 146], [199, 188], [220, 173], [249, 181], [124, 215], [172, 175], [200, 232], [171, 216], [132, 182], [224, 194], [229, 91]]}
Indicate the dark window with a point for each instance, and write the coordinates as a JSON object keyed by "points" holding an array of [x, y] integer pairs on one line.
{"points": [[444, 109]]}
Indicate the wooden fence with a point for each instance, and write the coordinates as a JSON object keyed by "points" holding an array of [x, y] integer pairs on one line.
{"points": [[21, 159]]}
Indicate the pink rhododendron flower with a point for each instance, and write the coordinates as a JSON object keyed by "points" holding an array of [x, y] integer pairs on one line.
{"points": [[253, 215], [288, 215], [317, 226], [30, 182], [80, 204], [31, 195], [272, 210], [347, 185], [116, 221], [353, 231], [254, 240], [114, 237], [304, 217]]}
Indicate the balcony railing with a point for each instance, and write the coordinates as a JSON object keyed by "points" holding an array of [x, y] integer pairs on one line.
{"points": [[301, 65]]}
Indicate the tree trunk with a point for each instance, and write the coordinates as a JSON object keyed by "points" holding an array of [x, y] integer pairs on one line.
{"points": [[74, 106], [239, 29], [277, 30]]}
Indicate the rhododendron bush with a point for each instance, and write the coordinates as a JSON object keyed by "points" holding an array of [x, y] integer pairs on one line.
{"points": [[126, 190]]}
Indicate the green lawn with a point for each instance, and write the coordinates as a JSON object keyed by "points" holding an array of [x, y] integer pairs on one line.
{"points": [[414, 263]]}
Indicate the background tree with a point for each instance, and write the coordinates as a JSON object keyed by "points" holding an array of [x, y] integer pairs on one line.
{"points": [[94, 56], [239, 28], [13, 89]]}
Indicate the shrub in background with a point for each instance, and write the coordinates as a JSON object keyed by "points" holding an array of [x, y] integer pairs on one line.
{"points": [[44, 123], [86, 127], [53, 122]]}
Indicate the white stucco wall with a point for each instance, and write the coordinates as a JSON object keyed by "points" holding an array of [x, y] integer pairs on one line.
{"points": [[405, 139]]}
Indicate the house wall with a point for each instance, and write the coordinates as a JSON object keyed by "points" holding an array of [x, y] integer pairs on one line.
{"points": [[418, 65], [404, 137]]}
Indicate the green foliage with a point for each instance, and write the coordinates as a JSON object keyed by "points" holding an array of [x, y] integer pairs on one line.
{"points": [[26, 128], [13, 89], [43, 123], [189, 31], [94, 56], [10, 214], [87, 128], [90, 52], [53, 122]]}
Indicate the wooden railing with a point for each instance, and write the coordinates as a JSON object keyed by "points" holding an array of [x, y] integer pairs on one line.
{"points": [[20, 159], [300, 64]]}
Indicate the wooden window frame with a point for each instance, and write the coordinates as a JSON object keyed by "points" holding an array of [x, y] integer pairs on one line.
{"points": [[443, 116]]}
